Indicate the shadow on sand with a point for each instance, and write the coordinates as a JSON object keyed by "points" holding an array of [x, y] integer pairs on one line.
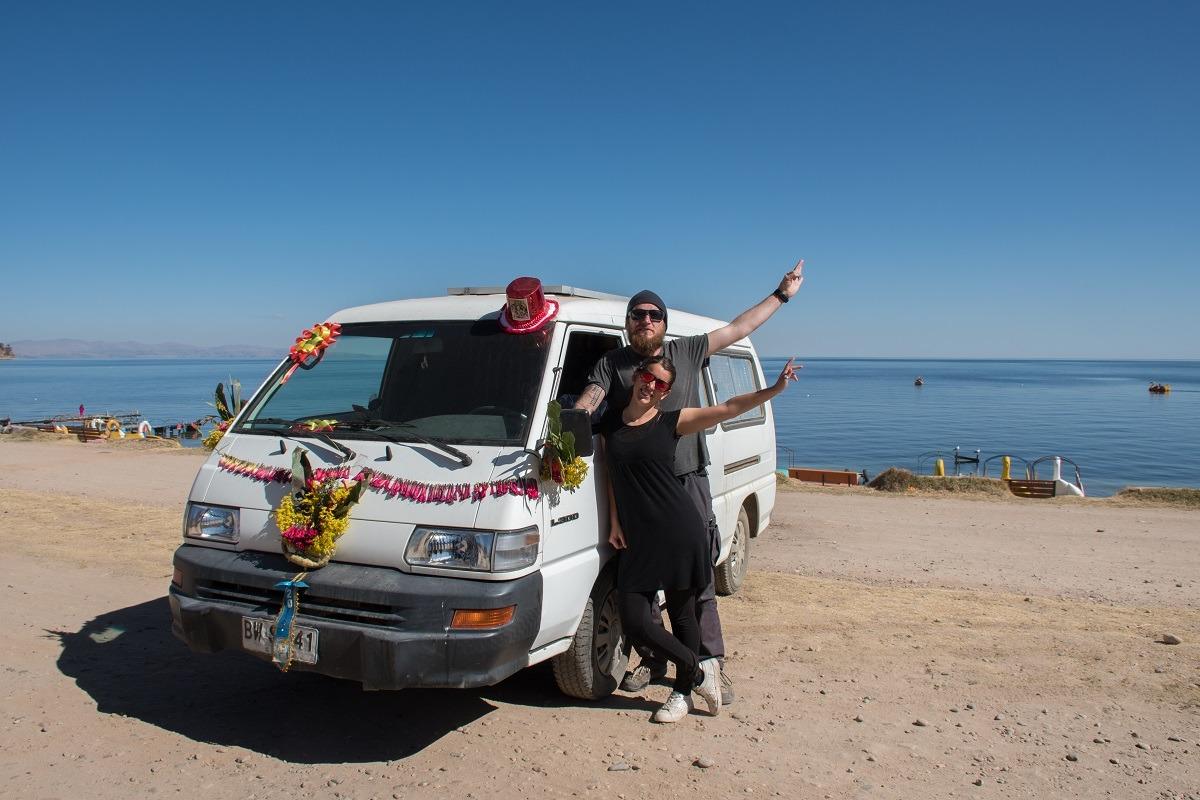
{"points": [[130, 664]]}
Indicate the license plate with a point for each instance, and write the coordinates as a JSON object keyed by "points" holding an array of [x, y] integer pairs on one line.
{"points": [[257, 635]]}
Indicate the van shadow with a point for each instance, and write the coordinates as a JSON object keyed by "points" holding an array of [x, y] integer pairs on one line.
{"points": [[130, 664]]}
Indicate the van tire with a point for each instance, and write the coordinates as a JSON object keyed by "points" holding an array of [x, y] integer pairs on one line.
{"points": [[592, 667], [730, 574]]}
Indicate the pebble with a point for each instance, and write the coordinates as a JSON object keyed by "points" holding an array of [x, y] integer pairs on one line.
{"points": [[920, 723], [1072, 757], [704, 762], [1142, 746], [1174, 739], [1169, 638], [977, 782], [998, 717], [858, 718], [620, 766]]}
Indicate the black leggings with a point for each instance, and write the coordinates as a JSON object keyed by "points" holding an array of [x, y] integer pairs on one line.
{"points": [[638, 610]]}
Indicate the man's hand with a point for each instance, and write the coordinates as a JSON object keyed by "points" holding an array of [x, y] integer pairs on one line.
{"points": [[792, 280]]}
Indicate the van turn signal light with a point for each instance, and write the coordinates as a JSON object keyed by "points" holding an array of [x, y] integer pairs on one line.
{"points": [[482, 618]]}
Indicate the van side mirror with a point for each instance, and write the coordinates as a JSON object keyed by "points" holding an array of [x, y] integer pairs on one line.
{"points": [[579, 423]]}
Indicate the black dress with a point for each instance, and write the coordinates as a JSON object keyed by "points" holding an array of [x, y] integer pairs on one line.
{"points": [[666, 538]]}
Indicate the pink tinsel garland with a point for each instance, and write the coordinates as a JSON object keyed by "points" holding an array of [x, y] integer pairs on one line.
{"points": [[390, 485]]}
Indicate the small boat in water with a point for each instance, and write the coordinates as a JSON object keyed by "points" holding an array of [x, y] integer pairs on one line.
{"points": [[1160, 388], [919, 381]]}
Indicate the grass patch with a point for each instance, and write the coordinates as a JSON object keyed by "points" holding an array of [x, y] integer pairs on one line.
{"points": [[1159, 496], [899, 480]]}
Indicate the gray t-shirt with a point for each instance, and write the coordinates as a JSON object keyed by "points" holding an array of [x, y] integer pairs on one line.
{"points": [[614, 374]]}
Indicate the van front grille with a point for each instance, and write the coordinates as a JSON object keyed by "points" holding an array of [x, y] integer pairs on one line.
{"points": [[311, 605]]}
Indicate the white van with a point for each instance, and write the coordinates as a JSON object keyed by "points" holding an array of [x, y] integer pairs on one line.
{"points": [[401, 603]]}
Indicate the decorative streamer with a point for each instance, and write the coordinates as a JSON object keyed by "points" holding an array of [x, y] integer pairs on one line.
{"points": [[310, 347], [391, 486], [283, 647]]}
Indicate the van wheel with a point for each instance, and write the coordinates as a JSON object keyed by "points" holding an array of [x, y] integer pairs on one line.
{"points": [[595, 663], [731, 573]]}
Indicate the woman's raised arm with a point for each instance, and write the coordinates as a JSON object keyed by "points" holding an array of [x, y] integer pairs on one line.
{"points": [[692, 420]]}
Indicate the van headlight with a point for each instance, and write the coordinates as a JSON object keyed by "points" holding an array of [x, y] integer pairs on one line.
{"points": [[211, 523], [480, 551]]}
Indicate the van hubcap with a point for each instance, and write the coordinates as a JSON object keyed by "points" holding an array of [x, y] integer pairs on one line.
{"points": [[607, 644], [737, 553]]}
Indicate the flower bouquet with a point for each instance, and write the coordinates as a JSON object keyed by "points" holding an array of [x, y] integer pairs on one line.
{"points": [[316, 513], [560, 463]]}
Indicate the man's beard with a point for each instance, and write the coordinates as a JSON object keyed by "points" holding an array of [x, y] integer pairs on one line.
{"points": [[646, 344]]}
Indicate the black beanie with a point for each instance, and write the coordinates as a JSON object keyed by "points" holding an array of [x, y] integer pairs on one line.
{"points": [[647, 296]]}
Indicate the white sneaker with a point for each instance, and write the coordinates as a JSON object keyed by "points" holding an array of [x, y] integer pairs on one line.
{"points": [[710, 688], [676, 708]]}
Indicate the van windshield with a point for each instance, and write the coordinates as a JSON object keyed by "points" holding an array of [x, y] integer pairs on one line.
{"points": [[452, 381]]}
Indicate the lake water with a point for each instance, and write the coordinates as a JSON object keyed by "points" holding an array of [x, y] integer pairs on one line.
{"points": [[844, 413]]}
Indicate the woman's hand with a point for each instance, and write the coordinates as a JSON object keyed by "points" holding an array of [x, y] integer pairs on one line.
{"points": [[788, 374], [616, 536]]}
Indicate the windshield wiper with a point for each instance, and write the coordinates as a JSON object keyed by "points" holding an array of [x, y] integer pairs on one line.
{"points": [[377, 426], [288, 426], [270, 421]]}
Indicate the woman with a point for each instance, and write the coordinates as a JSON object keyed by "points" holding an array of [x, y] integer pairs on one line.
{"points": [[655, 521]]}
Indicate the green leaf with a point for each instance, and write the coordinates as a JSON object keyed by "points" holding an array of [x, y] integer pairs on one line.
{"points": [[301, 469], [568, 446], [221, 405], [343, 508]]}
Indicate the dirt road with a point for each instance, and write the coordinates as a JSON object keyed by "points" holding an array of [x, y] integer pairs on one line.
{"points": [[883, 647]]}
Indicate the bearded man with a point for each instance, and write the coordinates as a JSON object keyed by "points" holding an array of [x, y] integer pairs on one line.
{"points": [[612, 377]]}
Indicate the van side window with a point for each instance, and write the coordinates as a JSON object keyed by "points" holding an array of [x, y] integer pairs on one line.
{"points": [[584, 349], [732, 375]]}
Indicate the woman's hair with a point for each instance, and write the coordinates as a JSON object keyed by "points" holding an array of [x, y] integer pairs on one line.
{"points": [[662, 361]]}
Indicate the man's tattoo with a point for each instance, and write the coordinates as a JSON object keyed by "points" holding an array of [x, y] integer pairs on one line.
{"points": [[591, 398]]}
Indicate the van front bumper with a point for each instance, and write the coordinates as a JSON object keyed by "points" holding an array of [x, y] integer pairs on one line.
{"points": [[385, 628]]}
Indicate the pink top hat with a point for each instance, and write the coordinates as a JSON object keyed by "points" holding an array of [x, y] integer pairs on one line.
{"points": [[526, 308]]}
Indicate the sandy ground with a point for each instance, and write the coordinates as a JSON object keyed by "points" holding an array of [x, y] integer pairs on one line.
{"points": [[884, 646]]}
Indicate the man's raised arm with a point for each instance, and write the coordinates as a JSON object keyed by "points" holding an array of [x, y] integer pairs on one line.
{"points": [[748, 321]]}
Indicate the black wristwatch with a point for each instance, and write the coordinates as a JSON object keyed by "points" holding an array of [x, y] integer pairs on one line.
{"points": [[783, 298]]}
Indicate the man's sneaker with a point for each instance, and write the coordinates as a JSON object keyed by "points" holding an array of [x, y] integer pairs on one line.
{"points": [[710, 688], [676, 708], [637, 679], [726, 688]]}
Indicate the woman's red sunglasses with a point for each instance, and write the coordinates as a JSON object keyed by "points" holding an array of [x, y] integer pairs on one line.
{"points": [[648, 377]]}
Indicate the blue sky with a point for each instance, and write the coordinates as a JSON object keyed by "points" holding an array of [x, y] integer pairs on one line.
{"points": [[963, 179]]}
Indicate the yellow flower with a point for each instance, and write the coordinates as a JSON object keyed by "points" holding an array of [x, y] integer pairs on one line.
{"points": [[574, 472]]}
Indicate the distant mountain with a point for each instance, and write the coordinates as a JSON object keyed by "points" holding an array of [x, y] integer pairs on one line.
{"points": [[79, 348]]}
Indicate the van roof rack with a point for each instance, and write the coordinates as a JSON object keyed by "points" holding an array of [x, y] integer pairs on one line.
{"points": [[570, 291]]}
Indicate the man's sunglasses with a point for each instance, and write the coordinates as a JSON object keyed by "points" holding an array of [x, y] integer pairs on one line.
{"points": [[641, 314], [647, 376]]}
